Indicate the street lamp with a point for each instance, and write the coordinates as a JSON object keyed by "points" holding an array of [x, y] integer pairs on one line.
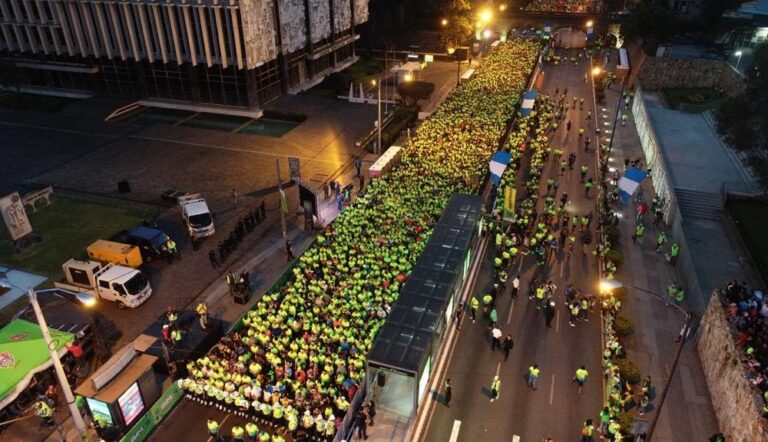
{"points": [[596, 71], [502, 7], [378, 121], [444, 22], [452, 51], [590, 23], [485, 15], [63, 382], [487, 34], [738, 54]]}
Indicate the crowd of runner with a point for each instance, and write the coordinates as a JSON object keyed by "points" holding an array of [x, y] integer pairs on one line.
{"points": [[569, 6], [299, 357], [747, 311]]}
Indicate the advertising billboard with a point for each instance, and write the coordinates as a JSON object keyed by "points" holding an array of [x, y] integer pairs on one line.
{"points": [[131, 404], [15, 216]]}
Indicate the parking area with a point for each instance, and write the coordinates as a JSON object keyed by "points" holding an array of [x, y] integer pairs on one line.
{"points": [[264, 126], [90, 155], [85, 157]]}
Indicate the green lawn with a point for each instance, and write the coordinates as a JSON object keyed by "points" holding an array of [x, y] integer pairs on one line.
{"points": [[692, 98], [67, 227], [751, 217], [34, 103]]}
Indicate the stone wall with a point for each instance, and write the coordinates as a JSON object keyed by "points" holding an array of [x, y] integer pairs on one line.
{"points": [[293, 25], [258, 31], [361, 11], [342, 15], [659, 73], [320, 19], [735, 402]]}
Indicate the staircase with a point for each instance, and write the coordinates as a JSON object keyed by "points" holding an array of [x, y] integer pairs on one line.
{"points": [[697, 204]]}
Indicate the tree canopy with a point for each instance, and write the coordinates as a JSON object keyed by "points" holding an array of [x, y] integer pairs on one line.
{"points": [[459, 22], [743, 121], [650, 22], [413, 91]]}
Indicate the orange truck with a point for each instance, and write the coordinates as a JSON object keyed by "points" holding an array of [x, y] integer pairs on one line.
{"points": [[115, 253]]}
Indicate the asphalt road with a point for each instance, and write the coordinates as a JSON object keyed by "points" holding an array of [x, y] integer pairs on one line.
{"points": [[555, 409]]}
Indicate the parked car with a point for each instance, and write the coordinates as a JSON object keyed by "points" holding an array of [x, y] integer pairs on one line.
{"points": [[151, 241]]}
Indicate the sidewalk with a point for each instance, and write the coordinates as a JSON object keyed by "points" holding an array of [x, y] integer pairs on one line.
{"points": [[265, 260], [687, 413]]}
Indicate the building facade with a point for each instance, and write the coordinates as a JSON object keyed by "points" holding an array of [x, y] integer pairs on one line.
{"points": [[240, 53]]}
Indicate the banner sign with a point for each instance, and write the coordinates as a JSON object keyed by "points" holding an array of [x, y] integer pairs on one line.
{"points": [[15, 216], [293, 162], [510, 194]]}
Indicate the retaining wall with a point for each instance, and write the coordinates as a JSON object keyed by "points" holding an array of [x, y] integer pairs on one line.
{"points": [[736, 403]]}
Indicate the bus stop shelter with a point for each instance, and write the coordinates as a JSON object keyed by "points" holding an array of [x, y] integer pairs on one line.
{"points": [[400, 362]]}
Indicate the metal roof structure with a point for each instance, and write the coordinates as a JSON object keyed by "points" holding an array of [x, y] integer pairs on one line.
{"points": [[404, 340]]}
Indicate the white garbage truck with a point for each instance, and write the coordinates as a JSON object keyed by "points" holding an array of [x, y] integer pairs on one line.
{"points": [[128, 287]]}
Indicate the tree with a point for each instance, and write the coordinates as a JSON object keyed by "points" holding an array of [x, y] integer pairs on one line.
{"points": [[413, 91], [459, 22], [651, 23], [742, 120], [712, 10]]}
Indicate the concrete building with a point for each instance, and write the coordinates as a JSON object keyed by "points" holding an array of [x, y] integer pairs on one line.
{"points": [[187, 53]]}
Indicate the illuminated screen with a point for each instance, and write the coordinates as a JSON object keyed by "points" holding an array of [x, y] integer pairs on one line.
{"points": [[131, 403], [100, 411]]}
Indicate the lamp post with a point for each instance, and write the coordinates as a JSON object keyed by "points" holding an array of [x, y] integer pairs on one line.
{"points": [[455, 53], [377, 151], [738, 60], [77, 418]]}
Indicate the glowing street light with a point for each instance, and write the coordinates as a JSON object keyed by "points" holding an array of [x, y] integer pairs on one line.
{"points": [[408, 77], [590, 23], [738, 54], [378, 119], [502, 7], [609, 285], [444, 22], [597, 71], [487, 34], [485, 15]]}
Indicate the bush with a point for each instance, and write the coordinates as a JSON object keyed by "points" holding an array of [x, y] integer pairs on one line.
{"points": [[615, 257], [612, 233], [413, 91], [389, 133], [628, 370], [626, 420], [600, 95], [623, 326]]}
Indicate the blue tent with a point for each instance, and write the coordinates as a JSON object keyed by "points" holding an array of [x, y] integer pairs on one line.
{"points": [[528, 99]]}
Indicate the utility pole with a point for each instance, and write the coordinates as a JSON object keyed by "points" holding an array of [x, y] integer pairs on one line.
{"points": [[378, 124], [683, 338], [283, 200], [77, 418]]}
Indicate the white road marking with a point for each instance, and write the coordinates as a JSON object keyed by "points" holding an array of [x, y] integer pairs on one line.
{"points": [[552, 390], [511, 309], [445, 356], [498, 368], [557, 321], [562, 268], [455, 431]]}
